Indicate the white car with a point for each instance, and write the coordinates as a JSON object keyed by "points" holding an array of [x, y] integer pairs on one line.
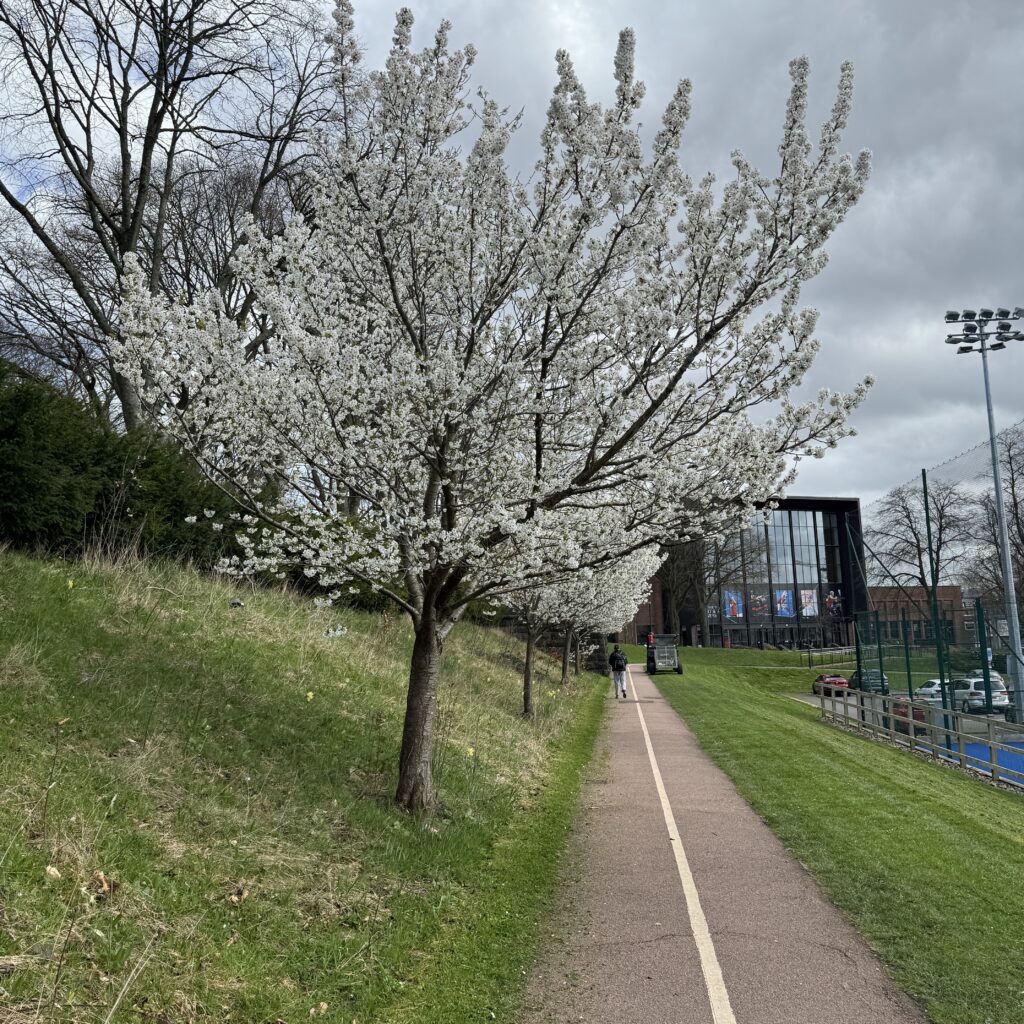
{"points": [[969, 695], [978, 674], [931, 690]]}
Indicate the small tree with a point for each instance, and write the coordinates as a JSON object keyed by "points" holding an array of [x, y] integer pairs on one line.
{"points": [[585, 602], [472, 382]]}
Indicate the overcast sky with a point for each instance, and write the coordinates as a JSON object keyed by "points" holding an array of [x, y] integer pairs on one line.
{"points": [[938, 99]]}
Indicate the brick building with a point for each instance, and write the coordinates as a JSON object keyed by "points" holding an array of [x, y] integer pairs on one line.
{"points": [[892, 603]]}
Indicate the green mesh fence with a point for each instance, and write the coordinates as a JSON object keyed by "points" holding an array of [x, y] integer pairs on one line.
{"points": [[934, 582]]}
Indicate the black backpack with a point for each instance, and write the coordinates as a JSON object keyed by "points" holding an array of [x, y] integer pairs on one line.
{"points": [[618, 661]]}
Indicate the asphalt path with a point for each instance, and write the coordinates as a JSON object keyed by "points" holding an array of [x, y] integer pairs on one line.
{"points": [[680, 906]]}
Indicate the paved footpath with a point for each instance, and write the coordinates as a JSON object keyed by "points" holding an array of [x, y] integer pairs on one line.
{"points": [[683, 908]]}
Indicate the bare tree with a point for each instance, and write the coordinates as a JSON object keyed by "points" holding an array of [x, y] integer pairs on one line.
{"points": [[154, 128], [897, 537], [985, 571], [695, 571]]}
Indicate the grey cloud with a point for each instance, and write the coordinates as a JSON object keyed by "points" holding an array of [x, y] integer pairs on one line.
{"points": [[937, 100]]}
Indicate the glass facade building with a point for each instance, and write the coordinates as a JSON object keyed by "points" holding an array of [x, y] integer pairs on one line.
{"points": [[791, 578]]}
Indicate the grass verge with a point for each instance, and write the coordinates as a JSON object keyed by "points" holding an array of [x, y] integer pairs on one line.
{"points": [[924, 861], [195, 815]]}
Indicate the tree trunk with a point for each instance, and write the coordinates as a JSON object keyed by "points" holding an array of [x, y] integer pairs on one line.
{"points": [[415, 769], [577, 652], [528, 674], [566, 653], [705, 624], [131, 404]]}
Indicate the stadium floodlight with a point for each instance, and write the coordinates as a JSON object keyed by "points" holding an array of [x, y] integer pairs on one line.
{"points": [[952, 315], [975, 338]]}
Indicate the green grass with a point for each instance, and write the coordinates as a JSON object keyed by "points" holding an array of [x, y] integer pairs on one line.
{"points": [[230, 770], [926, 862]]}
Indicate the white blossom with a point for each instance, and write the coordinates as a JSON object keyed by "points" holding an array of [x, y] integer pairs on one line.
{"points": [[454, 385]]}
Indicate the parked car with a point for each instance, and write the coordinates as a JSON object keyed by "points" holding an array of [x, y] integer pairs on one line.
{"points": [[830, 685], [870, 680], [978, 674], [901, 717], [931, 691], [969, 695]]}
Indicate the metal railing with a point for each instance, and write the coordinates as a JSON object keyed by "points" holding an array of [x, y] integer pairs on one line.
{"points": [[830, 656], [827, 656], [944, 733]]}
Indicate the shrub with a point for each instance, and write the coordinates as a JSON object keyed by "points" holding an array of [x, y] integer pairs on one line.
{"points": [[67, 481], [53, 464], [153, 488]]}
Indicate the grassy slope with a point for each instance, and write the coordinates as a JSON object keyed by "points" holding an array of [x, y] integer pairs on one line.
{"points": [[231, 771], [926, 863]]}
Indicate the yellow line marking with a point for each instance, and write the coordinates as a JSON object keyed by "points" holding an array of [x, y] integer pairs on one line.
{"points": [[718, 996]]}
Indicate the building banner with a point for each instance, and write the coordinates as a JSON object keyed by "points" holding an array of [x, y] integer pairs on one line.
{"points": [[733, 600], [760, 604], [809, 604], [784, 604]]}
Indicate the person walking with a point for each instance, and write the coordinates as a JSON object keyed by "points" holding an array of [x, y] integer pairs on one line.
{"points": [[617, 663]]}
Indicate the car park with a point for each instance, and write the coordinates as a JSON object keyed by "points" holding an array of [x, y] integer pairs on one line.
{"points": [[830, 685], [870, 680], [969, 695]]}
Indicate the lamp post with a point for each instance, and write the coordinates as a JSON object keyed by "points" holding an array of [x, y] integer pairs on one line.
{"points": [[974, 336]]}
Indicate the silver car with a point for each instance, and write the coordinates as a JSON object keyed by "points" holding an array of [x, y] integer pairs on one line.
{"points": [[969, 695], [931, 690]]}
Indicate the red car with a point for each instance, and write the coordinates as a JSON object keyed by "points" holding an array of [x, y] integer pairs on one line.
{"points": [[901, 717], [830, 685]]}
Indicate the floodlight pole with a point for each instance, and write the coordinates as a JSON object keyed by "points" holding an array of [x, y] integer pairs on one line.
{"points": [[1014, 662]]}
